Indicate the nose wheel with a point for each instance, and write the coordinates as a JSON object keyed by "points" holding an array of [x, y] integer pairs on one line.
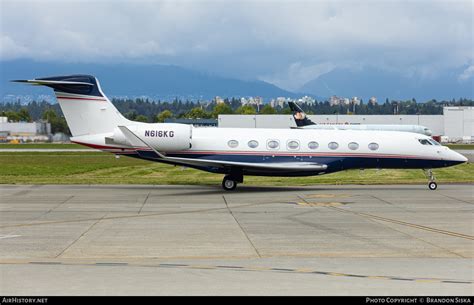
{"points": [[432, 185], [229, 184]]}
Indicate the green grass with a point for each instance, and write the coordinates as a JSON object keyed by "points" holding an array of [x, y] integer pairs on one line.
{"points": [[42, 146], [460, 146], [103, 168]]}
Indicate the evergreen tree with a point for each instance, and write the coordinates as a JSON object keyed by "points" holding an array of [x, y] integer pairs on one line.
{"points": [[221, 109], [197, 113], [267, 109], [166, 114], [247, 109]]}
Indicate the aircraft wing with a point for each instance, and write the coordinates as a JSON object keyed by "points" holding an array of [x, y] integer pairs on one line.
{"points": [[277, 166]]}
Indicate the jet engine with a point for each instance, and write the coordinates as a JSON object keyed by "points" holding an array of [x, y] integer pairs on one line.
{"points": [[163, 137]]}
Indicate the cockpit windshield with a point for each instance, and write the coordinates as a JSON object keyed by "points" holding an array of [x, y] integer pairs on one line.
{"points": [[428, 142], [424, 141]]}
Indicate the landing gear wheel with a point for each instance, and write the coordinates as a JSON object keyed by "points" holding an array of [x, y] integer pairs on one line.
{"points": [[228, 184], [432, 185]]}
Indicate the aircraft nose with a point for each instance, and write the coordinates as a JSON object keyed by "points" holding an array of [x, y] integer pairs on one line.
{"points": [[457, 157]]}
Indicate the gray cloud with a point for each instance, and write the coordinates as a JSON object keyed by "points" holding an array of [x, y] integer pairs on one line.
{"points": [[284, 42]]}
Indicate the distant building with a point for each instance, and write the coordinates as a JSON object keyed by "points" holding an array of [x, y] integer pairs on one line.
{"points": [[373, 100], [459, 123], [355, 101], [307, 100], [219, 100], [24, 131], [334, 100], [279, 102], [253, 101]]}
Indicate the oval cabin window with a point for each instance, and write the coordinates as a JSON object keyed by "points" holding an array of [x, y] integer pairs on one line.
{"points": [[293, 145], [253, 144], [233, 143], [333, 145], [353, 146], [313, 145], [373, 146], [272, 144]]}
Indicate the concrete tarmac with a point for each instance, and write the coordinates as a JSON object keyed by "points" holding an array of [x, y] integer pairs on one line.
{"points": [[201, 240]]}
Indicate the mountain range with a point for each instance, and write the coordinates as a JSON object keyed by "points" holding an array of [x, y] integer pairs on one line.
{"points": [[127, 80], [168, 82], [384, 84]]}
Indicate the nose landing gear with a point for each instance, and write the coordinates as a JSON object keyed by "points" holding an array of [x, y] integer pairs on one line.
{"points": [[432, 185]]}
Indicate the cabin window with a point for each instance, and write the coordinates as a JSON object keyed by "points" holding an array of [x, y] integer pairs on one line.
{"points": [[333, 145], [373, 146], [353, 146], [253, 144], [434, 142], [313, 145], [273, 144], [293, 145], [424, 141], [233, 143]]}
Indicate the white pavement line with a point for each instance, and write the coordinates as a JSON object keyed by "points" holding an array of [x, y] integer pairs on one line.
{"points": [[8, 236]]}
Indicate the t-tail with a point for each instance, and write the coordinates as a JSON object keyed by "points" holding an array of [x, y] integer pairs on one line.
{"points": [[86, 108]]}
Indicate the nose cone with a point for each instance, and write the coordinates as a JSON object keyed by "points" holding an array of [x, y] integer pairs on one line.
{"points": [[456, 157]]}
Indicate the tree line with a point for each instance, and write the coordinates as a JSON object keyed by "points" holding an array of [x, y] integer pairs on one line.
{"points": [[145, 110]]}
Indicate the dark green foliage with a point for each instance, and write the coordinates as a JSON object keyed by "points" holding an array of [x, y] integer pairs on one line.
{"points": [[145, 110]]}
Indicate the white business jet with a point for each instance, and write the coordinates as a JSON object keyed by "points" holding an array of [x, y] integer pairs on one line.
{"points": [[235, 152], [302, 121]]}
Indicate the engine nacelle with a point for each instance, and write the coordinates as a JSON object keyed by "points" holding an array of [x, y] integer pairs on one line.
{"points": [[163, 137]]}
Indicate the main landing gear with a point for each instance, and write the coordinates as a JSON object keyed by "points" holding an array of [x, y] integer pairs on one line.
{"points": [[432, 185], [229, 183]]}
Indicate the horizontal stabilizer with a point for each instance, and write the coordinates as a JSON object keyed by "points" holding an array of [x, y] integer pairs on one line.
{"points": [[50, 82], [72, 84]]}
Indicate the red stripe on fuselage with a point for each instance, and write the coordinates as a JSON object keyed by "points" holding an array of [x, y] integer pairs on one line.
{"points": [[80, 98], [299, 154], [261, 153]]}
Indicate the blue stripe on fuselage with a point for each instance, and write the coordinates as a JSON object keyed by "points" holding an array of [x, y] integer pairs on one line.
{"points": [[334, 163]]}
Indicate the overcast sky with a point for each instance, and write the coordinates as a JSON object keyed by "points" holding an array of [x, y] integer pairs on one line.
{"points": [[284, 42]]}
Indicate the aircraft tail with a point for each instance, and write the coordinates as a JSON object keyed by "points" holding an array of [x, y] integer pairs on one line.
{"points": [[299, 115], [86, 108]]}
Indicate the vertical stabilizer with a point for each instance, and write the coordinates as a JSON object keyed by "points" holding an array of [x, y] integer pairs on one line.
{"points": [[86, 108]]}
